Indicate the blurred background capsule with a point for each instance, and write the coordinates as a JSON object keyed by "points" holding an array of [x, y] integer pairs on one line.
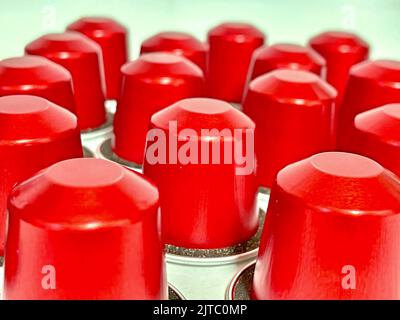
{"points": [[231, 46], [286, 56], [341, 51], [179, 43], [151, 83], [112, 37], [82, 58], [376, 135]]}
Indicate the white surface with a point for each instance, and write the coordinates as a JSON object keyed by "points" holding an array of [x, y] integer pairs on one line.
{"points": [[203, 282], [22, 21], [93, 140]]}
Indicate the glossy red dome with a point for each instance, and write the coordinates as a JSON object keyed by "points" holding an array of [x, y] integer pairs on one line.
{"points": [[293, 112], [377, 136], [231, 46], [315, 242], [101, 226], [34, 133], [371, 84], [38, 76], [193, 209]]}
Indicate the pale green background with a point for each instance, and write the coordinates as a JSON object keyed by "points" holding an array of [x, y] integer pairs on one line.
{"points": [[378, 21]]}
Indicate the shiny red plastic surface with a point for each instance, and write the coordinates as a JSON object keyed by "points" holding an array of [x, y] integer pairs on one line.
{"points": [[204, 205], [286, 56], [371, 84], [37, 76], [82, 58], [231, 46], [179, 43], [34, 133], [151, 83], [341, 51], [377, 136], [96, 224], [111, 36], [332, 231], [293, 112]]}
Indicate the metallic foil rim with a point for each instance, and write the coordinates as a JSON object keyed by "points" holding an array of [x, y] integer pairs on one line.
{"points": [[240, 252], [87, 153], [240, 286], [174, 294], [237, 106], [105, 151], [264, 190], [101, 130]]}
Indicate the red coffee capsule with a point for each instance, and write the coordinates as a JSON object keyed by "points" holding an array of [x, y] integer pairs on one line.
{"points": [[293, 112], [285, 56], [371, 84], [97, 239], [341, 51], [377, 136], [37, 76], [231, 46], [34, 133], [207, 197], [151, 83], [332, 231], [111, 36], [81, 56], [179, 43]]}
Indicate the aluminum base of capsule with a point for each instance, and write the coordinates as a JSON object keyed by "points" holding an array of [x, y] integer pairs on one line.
{"points": [[92, 138], [111, 106], [263, 198], [240, 286], [104, 151], [205, 274], [237, 106]]}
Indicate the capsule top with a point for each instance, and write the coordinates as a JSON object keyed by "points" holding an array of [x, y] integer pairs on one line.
{"points": [[202, 113], [86, 193], [287, 53], [63, 45], [25, 119], [383, 123], [340, 42], [97, 27], [160, 65], [383, 71], [237, 32], [347, 184], [172, 41], [31, 70], [293, 86]]}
